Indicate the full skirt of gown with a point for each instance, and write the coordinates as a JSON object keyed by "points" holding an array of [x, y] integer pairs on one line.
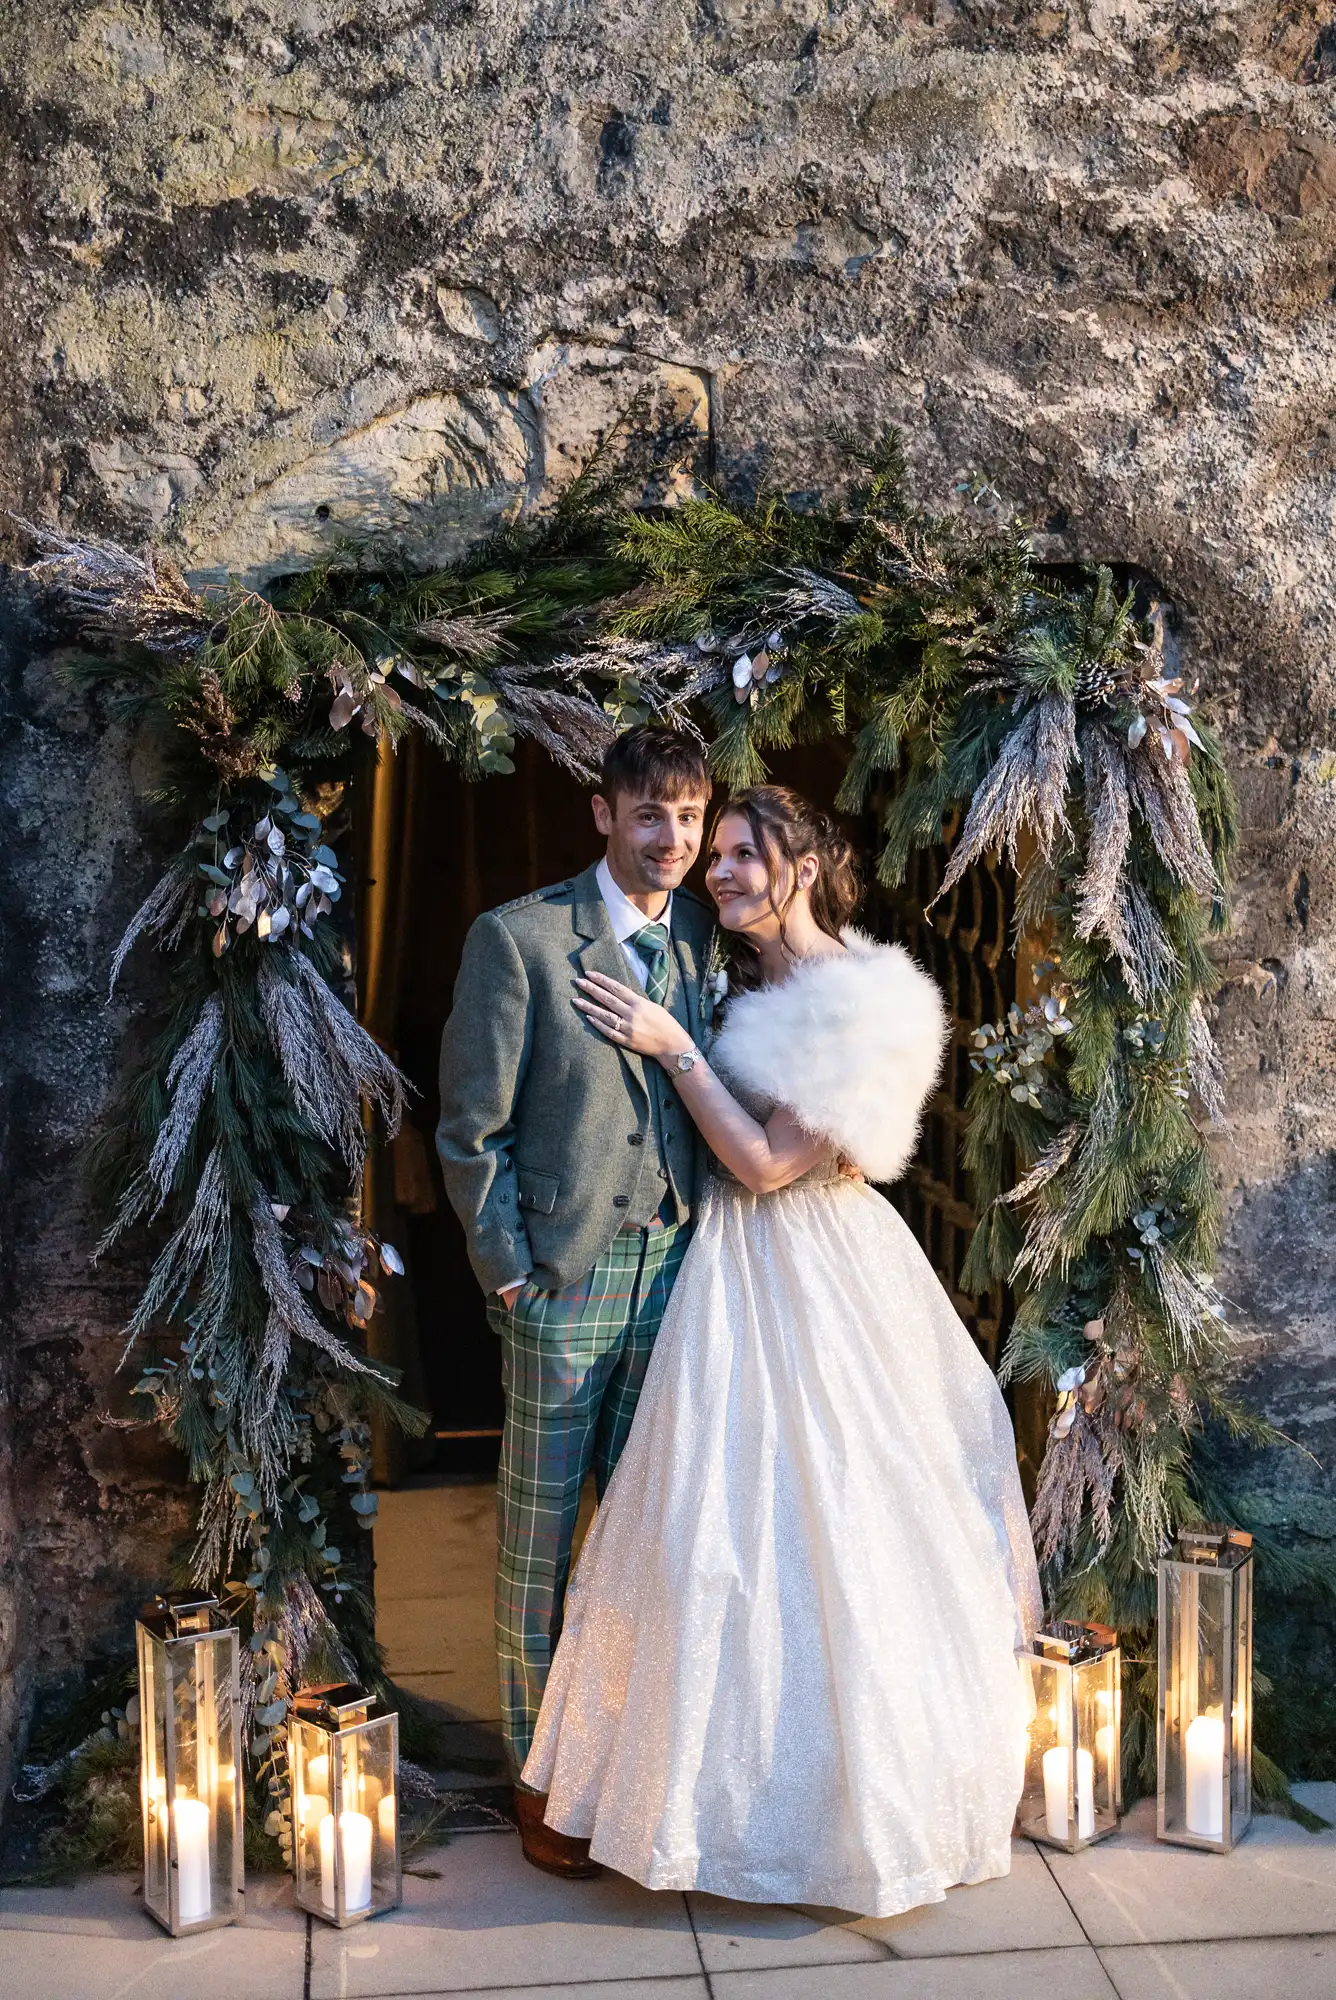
{"points": [[787, 1671]]}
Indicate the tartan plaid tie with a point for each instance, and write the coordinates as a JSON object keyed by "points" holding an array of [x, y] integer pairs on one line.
{"points": [[651, 942]]}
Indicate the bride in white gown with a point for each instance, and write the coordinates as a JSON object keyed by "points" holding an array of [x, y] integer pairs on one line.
{"points": [[787, 1667]]}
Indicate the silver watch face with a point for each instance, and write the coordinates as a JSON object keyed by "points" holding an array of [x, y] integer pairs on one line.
{"points": [[687, 1060]]}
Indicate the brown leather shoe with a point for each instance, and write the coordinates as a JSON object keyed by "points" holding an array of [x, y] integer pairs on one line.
{"points": [[556, 1853]]}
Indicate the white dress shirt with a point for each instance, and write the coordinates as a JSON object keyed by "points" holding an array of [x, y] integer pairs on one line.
{"points": [[627, 920]]}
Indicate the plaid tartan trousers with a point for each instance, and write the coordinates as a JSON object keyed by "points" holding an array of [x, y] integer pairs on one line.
{"points": [[573, 1362]]}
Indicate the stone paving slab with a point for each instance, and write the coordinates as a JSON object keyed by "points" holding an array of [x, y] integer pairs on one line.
{"points": [[491, 1920], [217, 1965], [749, 1936], [1159, 1924], [436, 1541], [450, 1639], [95, 1941], [677, 1986], [110, 1905], [1023, 1911], [1279, 1881], [1071, 1974], [1237, 1969]]}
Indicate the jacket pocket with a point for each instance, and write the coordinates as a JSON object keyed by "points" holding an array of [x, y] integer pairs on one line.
{"points": [[537, 1191]]}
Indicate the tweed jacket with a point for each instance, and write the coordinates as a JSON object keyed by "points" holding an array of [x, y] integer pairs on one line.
{"points": [[547, 1138]]}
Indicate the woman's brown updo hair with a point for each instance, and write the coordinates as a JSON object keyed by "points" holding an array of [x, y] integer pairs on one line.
{"points": [[784, 828]]}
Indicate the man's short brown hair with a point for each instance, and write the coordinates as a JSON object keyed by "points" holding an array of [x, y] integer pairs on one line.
{"points": [[654, 763]]}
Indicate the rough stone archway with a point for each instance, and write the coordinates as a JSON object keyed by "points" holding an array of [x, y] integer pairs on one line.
{"points": [[252, 260]]}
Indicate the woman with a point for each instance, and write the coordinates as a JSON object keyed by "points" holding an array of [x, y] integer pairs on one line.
{"points": [[787, 1668]]}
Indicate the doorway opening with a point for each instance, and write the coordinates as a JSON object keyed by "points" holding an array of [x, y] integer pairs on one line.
{"points": [[435, 852]]}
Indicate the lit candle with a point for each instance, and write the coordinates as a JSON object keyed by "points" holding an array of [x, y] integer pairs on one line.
{"points": [[1056, 1771], [192, 1859], [385, 1814], [315, 1809], [1205, 1747], [355, 1854], [317, 1774], [1106, 1742]]}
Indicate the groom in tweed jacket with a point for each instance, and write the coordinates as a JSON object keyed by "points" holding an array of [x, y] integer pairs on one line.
{"points": [[574, 1171]]}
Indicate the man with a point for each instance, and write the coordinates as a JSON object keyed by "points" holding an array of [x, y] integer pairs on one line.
{"points": [[574, 1171]]}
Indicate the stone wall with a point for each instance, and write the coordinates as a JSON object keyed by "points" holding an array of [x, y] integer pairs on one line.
{"points": [[91, 1502], [279, 272]]}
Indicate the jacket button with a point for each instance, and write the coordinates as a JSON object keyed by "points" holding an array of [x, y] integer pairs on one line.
{"points": [[621, 1201], [635, 1138]]}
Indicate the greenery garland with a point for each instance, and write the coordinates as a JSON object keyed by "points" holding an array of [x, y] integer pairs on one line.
{"points": [[961, 678]]}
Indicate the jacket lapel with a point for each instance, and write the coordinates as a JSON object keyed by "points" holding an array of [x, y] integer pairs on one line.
{"points": [[691, 934], [600, 952], [688, 963]]}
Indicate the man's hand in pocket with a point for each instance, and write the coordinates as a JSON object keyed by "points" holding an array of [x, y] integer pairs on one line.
{"points": [[510, 1294]]}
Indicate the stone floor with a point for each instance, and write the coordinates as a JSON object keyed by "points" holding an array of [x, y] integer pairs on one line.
{"points": [[1128, 1920], [435, 1559]]}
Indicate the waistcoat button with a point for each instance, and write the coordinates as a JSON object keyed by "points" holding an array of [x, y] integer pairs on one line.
{"points": [[635, 1138], [621, 1201]]}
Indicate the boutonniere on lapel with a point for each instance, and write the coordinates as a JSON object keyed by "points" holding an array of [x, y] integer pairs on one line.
{"points": [[714, 985]]}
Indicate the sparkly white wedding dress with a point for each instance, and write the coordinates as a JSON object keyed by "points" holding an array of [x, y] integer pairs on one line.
{"points": [[787, 1670]]}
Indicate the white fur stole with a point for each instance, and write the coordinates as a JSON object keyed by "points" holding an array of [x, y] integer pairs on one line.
{"points": [[851, 1043]]}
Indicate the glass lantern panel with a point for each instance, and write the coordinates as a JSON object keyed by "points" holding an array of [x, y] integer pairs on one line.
{"points": [[1095, 1697], [1072, 1790], [205, 1777], [1196, 1668], [1048, 1809], [379, 1763], [1241, 1761], [312, 1782], [368, 1816], [153, 1772]]}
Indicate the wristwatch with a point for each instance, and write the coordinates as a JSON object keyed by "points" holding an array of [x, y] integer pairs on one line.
{"points": [[687, 1059]]}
